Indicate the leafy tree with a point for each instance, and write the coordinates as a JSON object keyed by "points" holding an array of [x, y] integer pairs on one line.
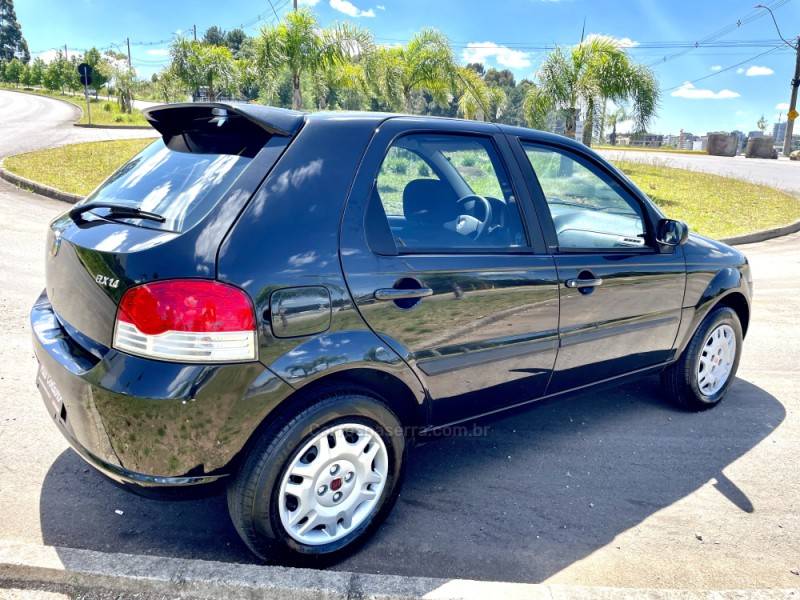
{"points": [[762, 124], [300, 46], [12, 43], [100, 73], [200, 65], [167, 86], [425, 64], [215, 36], [13, 71], [478, 68], [502, 79], [234, 40], [584, 78], [37, 68], [124, 83]]}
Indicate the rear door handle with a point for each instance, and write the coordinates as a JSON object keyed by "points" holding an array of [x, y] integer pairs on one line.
{"points": [[583, 283], [401, 294]]}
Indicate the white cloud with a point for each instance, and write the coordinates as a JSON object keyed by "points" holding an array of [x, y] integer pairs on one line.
{"points": [[624, 42], [716, 67], [50, 55], [350, 9], [757, 71], [308, 2], [688, 90], [380, 7], [158, 52], [782, 106], [740, 70], [480, 51]]}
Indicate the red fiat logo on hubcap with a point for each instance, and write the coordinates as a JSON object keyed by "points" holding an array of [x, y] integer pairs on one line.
{"points": [[336, 484]]}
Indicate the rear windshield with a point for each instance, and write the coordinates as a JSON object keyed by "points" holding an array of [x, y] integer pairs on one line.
{"points": [[180, 185]]}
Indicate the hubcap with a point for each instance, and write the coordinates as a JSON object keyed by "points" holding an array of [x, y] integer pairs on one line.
{"points": [[333, 483], [716, 360]]}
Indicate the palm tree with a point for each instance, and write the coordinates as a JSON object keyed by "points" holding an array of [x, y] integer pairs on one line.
{"points": [[584, 79], [613, 119], [299, 45], [426, 64], [477, 99]]}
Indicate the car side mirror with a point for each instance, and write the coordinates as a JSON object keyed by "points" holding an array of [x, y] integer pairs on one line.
{"points": [[671, 232]]}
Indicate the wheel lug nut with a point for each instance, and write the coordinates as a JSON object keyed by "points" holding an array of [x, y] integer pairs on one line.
{"points": [[349, 476], [334, 469], [337, 496], [322, 489]]}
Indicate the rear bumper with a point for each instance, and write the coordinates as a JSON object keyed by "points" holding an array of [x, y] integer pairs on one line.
{"points": [[148, 423]]}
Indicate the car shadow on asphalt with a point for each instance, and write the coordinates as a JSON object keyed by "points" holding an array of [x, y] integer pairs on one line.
{"points": [[517, 497]]}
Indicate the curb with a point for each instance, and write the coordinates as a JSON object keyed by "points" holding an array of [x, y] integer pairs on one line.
{"points": [[763, 235], [34, 566], [94, 126], [38, 188]]}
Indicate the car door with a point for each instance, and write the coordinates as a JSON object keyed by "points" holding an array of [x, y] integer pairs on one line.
{"points": [[621, 293], [448, 268]]}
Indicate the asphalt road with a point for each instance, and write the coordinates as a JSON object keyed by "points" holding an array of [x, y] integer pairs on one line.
{"points": [[782, 173], [30, 122], [611, 488]]}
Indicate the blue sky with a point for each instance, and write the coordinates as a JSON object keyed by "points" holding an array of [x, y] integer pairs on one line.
{"points": [[508, 34]]}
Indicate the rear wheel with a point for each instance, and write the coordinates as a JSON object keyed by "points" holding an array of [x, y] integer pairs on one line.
{"points": [[700, 378], [319, 484]]}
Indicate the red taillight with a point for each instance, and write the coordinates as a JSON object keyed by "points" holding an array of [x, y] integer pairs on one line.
{"points": [[186, 319]]}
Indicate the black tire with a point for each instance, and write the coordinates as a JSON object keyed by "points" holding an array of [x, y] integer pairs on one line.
{"points": [[253, 495], [681, 380]]}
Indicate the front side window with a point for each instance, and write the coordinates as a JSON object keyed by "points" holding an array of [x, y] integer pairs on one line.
{"points": [[447, 192], [588, 211]]}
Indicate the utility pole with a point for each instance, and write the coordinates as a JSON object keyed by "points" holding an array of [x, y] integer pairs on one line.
{"points": [[66, 52], [294, 3], [792, 114], [194, 31], [130, 66]]}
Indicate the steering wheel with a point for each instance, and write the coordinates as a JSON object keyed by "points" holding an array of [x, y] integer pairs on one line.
{"points": [[483, 226]]}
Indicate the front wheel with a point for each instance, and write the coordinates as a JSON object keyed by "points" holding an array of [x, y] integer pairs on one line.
{"points": [[323, 481], [700, 378]]}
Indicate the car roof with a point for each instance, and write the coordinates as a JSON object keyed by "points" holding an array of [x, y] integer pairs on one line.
{"points": [[284, 121]]}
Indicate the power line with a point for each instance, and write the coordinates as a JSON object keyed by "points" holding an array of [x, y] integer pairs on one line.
{"points": [[749, 18], [723, 70]]}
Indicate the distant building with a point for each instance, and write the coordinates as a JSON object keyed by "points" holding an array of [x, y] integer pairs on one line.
{"points": [[741, 139], [642, 140], [756, 134], [671, 141], [686, 140]]}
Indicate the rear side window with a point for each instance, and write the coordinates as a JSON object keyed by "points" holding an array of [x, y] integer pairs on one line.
{"points": [[181, 184]]}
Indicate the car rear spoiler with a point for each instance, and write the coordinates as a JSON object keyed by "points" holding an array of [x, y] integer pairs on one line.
{"points": [[172, 119]]}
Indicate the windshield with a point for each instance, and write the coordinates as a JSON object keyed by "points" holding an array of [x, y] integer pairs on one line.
{"points": [[180, 186]]}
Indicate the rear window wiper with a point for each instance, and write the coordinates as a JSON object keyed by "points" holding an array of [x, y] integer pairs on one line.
{"points": [[116, 210]]}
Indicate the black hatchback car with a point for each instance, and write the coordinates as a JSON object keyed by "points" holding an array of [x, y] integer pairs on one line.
{"points": [[281, 301]]}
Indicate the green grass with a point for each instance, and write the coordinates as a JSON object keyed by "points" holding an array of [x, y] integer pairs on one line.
{"points": [[712, 205], [640, 149], [715, 206], [77, 168], [104, 112]]}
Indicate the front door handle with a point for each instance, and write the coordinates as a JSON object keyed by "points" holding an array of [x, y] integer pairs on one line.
{"points": [[583, 283], [402, 294]]}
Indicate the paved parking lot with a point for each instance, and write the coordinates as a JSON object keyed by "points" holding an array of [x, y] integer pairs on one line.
{"points": [[612, 488], [607, 488]]}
